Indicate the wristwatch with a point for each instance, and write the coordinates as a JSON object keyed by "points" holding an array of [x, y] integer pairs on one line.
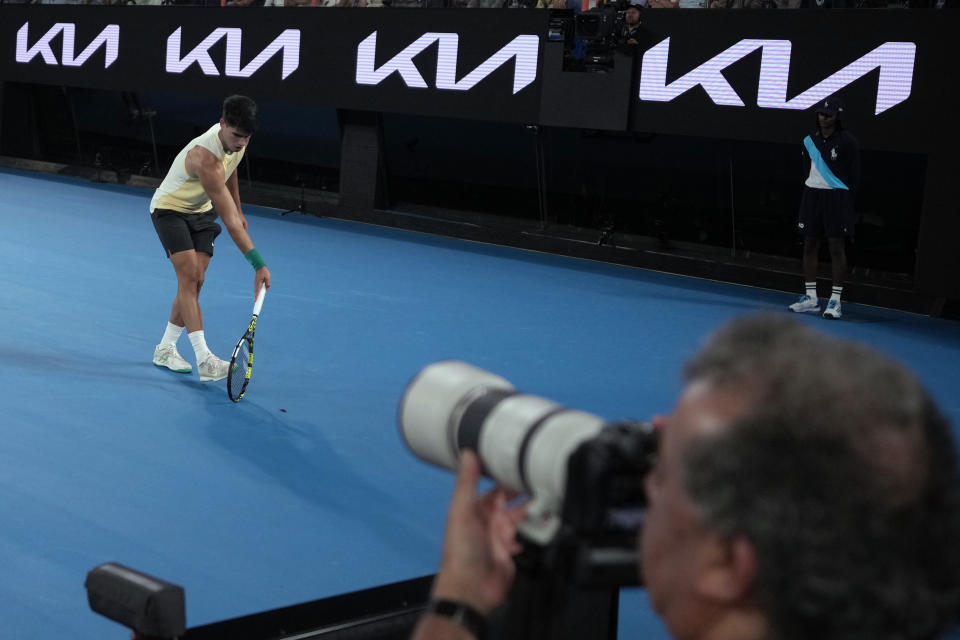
{"points": [[461, 614]]}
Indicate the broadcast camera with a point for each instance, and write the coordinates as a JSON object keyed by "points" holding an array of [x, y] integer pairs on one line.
{"points": [[600, 31], [601, 26], [583, 475]]}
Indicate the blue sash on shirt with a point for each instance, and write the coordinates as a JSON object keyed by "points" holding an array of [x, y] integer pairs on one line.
{"points": [[821, 165]]}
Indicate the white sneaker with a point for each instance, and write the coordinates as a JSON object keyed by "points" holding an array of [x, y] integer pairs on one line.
{"points": [[213, 368], [832, 312], [167, 356], [805, 304]]}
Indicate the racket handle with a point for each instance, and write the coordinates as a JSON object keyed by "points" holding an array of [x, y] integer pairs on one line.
{"points": [[259, 303]]}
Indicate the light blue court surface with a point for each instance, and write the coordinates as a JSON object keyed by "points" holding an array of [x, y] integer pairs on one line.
{"points": [[303, 490]]}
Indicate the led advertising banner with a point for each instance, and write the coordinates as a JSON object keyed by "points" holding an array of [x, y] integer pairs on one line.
{"points": [[753, 75], [759, 74], [431, 62]]}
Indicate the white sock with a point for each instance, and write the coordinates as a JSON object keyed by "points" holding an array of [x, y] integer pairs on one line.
{"points": [[836, 293], [199, 343], [811, 288], [171, 335]]}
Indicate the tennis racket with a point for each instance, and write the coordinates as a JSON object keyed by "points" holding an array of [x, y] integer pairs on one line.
{"points": [[241, 363]]}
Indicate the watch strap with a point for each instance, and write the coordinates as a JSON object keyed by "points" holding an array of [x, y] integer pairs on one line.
{"points": [[461, 614]]}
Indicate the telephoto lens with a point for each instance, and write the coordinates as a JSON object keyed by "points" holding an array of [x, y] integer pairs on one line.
{"points": [[523, 441]]}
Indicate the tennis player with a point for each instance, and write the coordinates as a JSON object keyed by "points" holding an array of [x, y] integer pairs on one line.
{"points": [[202, 183]]}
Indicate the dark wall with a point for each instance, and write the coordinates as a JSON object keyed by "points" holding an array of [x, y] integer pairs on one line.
{"points": [[674, 188]]}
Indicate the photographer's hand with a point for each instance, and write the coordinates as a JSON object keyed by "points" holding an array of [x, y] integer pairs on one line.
{"points": [[477, 568], [479, 544]]}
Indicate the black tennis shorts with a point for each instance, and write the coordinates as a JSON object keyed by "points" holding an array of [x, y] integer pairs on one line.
{"points": [[184, 231], [826, 212]]}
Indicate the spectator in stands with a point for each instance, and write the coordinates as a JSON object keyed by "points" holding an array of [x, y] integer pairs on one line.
{"points": [[677, 4], [194, 3], [832, 167], [739, 4], [632, 33], [805, 487]]}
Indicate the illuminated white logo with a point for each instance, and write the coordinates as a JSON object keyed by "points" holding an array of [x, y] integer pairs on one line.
{"points": [[109, 39], [894, 59], [288, 42], [524, 49]]}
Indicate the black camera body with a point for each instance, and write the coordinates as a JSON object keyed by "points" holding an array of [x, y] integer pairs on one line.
{"points": [[604, 507], [601, 27], [601, 31]]}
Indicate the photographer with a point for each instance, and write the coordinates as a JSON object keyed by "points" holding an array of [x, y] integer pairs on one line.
{"points": [[805, 487]]}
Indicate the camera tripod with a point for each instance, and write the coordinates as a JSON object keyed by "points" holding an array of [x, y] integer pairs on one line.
{"points": [[301, 206]]}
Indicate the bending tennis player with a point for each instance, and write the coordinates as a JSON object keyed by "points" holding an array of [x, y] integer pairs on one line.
{"points": [[201, 184]]}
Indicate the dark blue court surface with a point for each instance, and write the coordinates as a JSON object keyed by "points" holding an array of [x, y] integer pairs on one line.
{"points": [[304, 489]]}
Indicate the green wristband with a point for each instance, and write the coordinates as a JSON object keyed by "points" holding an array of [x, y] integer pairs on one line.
{"points": [[254, 258]]}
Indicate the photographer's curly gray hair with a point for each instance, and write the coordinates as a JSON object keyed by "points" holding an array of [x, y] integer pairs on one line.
{"points": [[843, 476]]}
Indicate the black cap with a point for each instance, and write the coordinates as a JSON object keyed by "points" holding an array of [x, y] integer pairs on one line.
{"points": [[830, 107]]}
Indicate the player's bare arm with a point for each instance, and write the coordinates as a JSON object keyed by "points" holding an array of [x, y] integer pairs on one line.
{"points": [[233, 186], [208, 169]]}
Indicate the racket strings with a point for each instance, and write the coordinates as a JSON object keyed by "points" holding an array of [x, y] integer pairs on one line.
{"points": [[238, 368]]}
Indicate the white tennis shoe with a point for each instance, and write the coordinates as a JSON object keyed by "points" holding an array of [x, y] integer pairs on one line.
{"points": [[832, 311], [213, 368], [166, 355], [805, 304]]}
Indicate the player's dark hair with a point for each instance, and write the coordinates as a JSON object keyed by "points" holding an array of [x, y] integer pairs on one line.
{"points": [[843, 475], [240, 112]]}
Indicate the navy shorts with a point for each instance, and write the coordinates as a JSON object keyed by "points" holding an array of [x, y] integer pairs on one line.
{"points": [[826, 212], [184, 231]]}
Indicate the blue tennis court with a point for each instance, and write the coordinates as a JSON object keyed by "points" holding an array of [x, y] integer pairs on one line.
{"points": [[304, 489]]}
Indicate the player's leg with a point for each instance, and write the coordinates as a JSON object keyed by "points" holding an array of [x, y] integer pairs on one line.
{"points": [[191, 267], [204, 231], [204, 262], [186, 305], [176, 317], [174, 235]]}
